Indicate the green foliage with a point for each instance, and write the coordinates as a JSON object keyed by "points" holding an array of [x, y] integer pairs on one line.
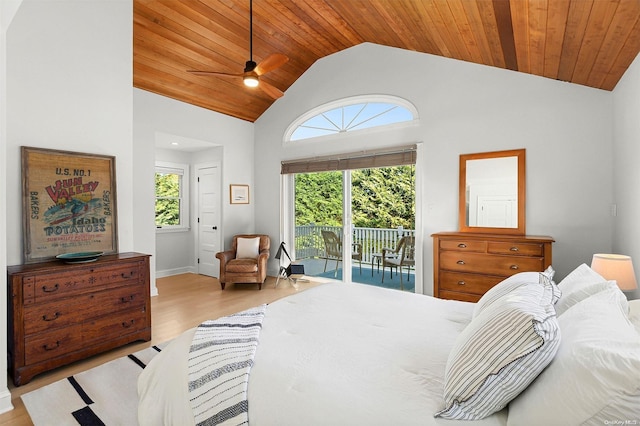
{"points": [[319, 198], [381, 198], [167, 199]]}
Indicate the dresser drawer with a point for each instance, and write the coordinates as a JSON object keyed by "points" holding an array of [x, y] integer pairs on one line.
{"points": [[52, 344], [54, 286], [454, 295], [515, 248], [40, 317], [464, 245], [467, 283], [114, 325], [504, 266]]}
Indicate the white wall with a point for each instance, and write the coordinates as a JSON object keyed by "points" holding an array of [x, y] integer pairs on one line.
{"points": [[153, 113], [464, 108], [69, 87], [8, 10], [626, 172]]}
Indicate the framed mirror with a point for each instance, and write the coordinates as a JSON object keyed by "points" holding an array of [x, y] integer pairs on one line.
{"points": [[492, 192]]}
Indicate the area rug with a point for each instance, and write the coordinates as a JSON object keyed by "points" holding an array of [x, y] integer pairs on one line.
{"points": [[104, 395], [375, 278]]}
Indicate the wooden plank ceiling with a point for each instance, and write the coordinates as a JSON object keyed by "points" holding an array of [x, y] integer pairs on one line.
{"points": [[587, 42]]}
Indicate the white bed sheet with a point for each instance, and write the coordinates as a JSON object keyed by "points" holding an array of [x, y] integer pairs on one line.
{"points": [[336, 354]]}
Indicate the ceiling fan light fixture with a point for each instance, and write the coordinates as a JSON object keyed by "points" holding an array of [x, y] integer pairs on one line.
{"points": [[251, 80]]}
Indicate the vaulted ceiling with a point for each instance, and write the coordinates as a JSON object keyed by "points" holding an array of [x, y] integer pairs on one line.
{"points": [[587, 42]]}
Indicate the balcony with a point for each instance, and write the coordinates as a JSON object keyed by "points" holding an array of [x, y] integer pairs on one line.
{"points": [[310, 251]]}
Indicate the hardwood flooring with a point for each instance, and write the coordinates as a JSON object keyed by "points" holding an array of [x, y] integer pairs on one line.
{"points": [[183, 302]]}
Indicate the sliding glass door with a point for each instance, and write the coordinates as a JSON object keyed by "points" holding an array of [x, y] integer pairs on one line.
{"points": [[351, 225]]}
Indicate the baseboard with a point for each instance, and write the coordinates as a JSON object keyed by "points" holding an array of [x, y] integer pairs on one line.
{"points": [[5, 401], [176, 271]]}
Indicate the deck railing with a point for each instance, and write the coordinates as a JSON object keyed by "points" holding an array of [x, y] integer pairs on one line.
{"points": [[309, 242]]}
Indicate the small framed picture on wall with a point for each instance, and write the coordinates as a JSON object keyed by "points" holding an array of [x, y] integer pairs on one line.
{"points": [[239, 194]]}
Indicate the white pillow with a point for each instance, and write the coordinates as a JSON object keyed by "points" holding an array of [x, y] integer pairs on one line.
{"points": [[247, 248], [583, 282], [579, 277], [577, 294], [595, 376], [499, 353]]}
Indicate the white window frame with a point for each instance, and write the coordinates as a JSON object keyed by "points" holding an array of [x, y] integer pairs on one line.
{"points": [[353, 100], [182, 170]]}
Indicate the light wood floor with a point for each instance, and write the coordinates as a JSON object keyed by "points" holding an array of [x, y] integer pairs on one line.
{"points": [[183, 302]]}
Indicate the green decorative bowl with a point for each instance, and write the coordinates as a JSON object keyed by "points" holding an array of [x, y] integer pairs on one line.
{"points": [[80, 257]]}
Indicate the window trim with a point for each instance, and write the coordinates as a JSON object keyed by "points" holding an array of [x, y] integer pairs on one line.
{"points": [[353, 100], [183, 170]]}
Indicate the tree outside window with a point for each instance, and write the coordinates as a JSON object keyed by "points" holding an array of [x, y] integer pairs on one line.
{"points": [[171, 190]]}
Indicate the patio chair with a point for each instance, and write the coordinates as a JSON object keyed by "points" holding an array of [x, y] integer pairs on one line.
{"points": [[402, 255], [333, 250]]}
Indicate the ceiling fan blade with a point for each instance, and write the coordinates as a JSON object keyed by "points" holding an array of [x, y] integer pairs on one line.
{"points": [[271, 62], [214, 73], [270, 90]]}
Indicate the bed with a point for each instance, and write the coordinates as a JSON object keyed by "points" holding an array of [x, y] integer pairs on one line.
{"points": [[351, 354]]}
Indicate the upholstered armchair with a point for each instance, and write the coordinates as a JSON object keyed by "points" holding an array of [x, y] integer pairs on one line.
{"points": [[246, 260]]}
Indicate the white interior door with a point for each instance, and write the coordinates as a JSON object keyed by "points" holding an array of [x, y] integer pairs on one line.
{"points": [[209, 202]]}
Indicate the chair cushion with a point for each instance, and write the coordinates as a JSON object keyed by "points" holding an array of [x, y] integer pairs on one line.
{"points": [[248, 248], [242, 266]]}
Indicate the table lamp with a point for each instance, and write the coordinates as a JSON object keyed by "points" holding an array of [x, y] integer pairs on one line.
{"points": [[616, 267]]}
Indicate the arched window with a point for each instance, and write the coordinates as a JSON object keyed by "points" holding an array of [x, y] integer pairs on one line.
{"points": [[351, 114]]}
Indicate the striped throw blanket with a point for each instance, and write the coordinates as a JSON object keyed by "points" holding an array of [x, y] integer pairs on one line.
{"points": [[220, 358]]}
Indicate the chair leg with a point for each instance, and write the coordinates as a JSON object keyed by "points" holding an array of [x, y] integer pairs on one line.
{"points": [[401, 284], [326, 259]]}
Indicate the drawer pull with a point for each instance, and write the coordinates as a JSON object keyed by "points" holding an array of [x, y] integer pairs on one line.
{"points": [[462, 245], [460, 262], [127, 324], [514, 267], [46, 347], [54, 317], [131, 275], [462, 283], [514, 248], [50, 289], [127, 299]]}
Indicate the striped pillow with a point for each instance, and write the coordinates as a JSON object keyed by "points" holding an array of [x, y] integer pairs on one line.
{"points": [[500, 353], [508, 285]]}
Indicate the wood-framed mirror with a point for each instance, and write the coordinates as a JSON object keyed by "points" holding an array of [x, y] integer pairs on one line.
{"points": [[492, 192]]}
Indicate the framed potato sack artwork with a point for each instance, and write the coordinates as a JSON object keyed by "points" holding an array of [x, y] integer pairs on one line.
{"points": [[69, 205]]}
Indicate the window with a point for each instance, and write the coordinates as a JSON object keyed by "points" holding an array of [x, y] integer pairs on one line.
{"points": [[347, 115], [172, 196]]}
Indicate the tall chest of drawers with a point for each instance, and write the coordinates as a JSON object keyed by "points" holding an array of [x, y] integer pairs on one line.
{"points": [[59, 313], [467, 265]]}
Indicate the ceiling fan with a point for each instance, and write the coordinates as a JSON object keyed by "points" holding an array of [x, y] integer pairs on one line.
{"points": [[252, 70]]}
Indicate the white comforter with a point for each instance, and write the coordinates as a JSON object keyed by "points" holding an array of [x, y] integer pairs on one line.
{"points": [[336, 354]]}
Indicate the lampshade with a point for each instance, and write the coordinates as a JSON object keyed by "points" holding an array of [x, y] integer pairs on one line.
{"points": [[615, 267]]}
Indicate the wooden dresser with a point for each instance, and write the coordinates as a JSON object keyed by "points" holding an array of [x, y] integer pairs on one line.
{"points": [[59, 313], [466, 265]]}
